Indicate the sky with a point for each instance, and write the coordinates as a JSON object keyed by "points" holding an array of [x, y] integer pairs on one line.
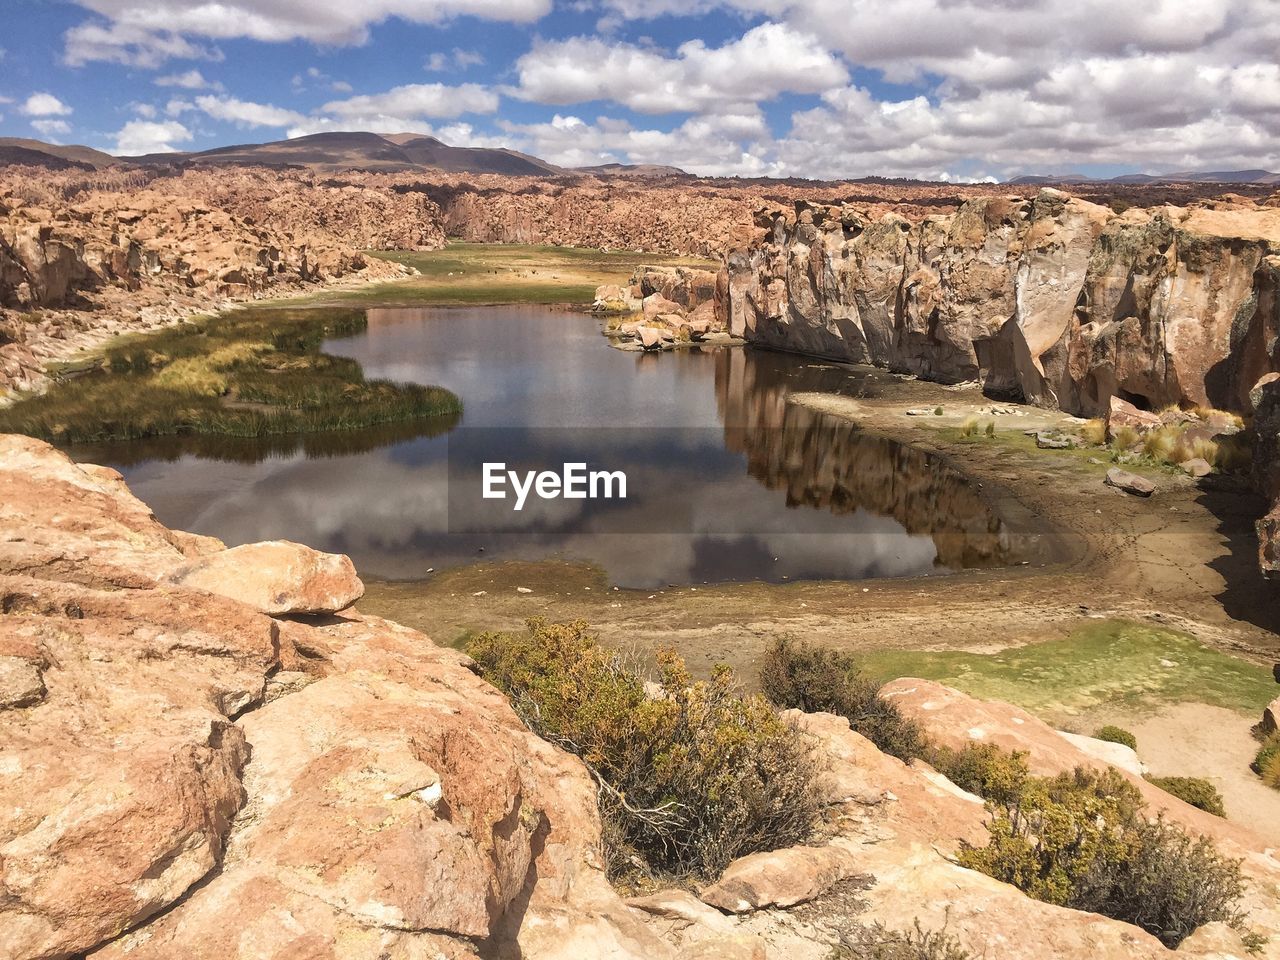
{"points": [[938, 89]]}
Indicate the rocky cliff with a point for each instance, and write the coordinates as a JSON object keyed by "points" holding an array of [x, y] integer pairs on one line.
{"points": [[83, 260], [1052, 299], [210, 753]]}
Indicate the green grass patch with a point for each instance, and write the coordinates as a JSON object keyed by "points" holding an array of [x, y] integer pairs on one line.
{"points": [[251, 373], [473, 274], [1109, 663]]}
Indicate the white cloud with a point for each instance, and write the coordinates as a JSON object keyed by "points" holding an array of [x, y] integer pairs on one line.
{"points": [[190, 80], [144, 110], [147, 32], [52, 128], [417, 101], [244, 113], [130, 44], [44, 105], [148, 136], [457, 59], [176, 107], [768, 60]]}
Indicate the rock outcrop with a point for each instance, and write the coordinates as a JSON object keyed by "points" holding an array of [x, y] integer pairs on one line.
{"points": [[184, 775], [1054, 299], [661, 308], [75, 271]]}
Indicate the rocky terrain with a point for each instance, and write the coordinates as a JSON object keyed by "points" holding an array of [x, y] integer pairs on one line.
{"points": [[83, 260], [211, 753], [1051, 299]]}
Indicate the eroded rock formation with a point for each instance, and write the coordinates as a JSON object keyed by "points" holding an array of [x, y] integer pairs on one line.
{"points": [[131, 255], [1054, 299]]}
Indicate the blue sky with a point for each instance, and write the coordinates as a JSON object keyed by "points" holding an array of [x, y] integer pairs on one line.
{"points": [[945, 89]]}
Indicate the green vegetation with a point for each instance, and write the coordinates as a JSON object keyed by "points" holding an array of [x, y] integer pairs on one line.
{"points": [[689, 778], [821, 680], [1105, 663], [1196, 791], [1114, 734], [483, 273], [251, 373], [1083, 840], [984, 769]]}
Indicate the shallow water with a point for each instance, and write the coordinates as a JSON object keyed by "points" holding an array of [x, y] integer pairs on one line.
{"points": [[725, 480]]}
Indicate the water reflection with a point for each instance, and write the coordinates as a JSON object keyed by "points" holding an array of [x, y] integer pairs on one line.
{"points": [[732, 482]]}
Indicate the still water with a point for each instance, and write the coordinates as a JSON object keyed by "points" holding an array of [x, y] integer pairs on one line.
{"points": [[726, 480]]}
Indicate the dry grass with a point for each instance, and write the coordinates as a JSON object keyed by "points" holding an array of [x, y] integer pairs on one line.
{"points": [[1094, 433]]}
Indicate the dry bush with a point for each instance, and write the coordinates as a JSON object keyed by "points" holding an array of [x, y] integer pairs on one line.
{"points": [[1124, 439], [690, 779], [821, 680], [1197, 791], [877, 942], [1082, 840], [1114, 734], [1094, 433]]}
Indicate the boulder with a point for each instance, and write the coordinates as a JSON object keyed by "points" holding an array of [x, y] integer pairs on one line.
{"points": [[277, 577], [656, 304], [1114, 754], [780, 878], [1196, 467], [1270, 718], [1129, 482], [651, 338], [1122, 413]]}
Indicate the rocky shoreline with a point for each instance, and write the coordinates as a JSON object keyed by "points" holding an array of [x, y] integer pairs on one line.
{"points": [[210, 753]]}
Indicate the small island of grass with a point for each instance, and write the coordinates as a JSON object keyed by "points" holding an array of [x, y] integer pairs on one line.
{"points": [[251, 373]]}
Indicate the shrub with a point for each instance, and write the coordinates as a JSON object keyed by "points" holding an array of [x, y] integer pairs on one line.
{"points": [[1114, 734], [821, 680], [1081, 840], [689, 779], [969, 427], [879, 943], [937, 411], [1196, 791], [1160, 443], [996, 775], [991, 428]]}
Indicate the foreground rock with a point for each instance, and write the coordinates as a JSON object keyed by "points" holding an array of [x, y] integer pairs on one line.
{"points": [[1129, 482], [277, 577], [183, 775]]}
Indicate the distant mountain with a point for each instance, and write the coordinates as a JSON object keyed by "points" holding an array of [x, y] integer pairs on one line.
{"points": [[1211, 176], [51, 155], [632, 170], [365, 151]]}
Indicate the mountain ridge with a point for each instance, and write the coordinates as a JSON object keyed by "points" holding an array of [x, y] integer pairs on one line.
{"points": [[407, 152]]}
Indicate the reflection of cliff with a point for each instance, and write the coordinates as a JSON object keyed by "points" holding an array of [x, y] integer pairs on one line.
{"points": [[828, 463]]}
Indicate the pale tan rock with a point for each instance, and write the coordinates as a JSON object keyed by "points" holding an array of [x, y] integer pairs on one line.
{"points": [[1115, 754], [20, 683], [277, 577], [1271, 717], [1196, 467], [780, 878]]}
